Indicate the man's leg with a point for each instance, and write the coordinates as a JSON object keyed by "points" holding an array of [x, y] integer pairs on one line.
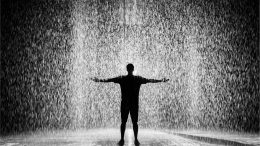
{"points": [[134, 117], [124, 115], [122, 129], [135, 128]]}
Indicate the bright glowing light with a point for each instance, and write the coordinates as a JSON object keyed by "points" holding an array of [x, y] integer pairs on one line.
{"points": [[78, 71]]}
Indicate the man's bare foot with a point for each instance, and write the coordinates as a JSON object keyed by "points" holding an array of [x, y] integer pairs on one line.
{"points": [[121, 142], [137, 143]]}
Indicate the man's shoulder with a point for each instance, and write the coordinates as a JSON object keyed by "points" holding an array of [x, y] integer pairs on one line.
{"points": [[139, 78], [122, 76]]}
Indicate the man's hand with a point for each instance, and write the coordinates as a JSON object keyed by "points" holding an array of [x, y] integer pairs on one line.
{"points": [[95, 79], [165, 80]]}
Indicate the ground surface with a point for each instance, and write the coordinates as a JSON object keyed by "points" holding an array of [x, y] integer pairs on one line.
{"points": [[110, 137]]}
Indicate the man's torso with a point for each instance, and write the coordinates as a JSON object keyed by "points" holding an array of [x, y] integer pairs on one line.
{"points": [[130, 87]]}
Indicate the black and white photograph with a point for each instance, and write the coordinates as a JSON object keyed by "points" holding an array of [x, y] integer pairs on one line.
{"points": [[130, 73]]}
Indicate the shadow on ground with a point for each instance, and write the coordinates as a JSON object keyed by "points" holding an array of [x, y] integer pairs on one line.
{"points": [[144, 143]]}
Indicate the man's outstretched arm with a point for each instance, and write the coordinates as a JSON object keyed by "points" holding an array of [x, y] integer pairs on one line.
{"points": [[103, 80], [157, 81]]}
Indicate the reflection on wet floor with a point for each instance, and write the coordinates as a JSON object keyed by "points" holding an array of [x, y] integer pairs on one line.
{"points": [[110, 137], [144, 143], [106, 143]]}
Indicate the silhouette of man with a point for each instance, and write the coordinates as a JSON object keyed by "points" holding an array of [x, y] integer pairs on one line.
{"points": [[130, 86]]}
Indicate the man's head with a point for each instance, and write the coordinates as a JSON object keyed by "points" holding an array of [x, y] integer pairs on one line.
{"points": [[130, 68]]}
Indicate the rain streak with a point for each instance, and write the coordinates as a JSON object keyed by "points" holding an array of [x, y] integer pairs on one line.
{"points": [[208, 49]]}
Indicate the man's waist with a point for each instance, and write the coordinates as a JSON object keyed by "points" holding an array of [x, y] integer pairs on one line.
{"points": [[125, 101]]}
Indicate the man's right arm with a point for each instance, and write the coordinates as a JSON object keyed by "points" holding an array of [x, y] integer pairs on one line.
{"points": [[104, 80]]}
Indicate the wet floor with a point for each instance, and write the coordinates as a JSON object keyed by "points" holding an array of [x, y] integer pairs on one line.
{"points": [[102, 137]]}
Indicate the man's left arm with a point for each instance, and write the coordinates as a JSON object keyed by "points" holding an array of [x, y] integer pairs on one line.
{"points": [[157, 81], [145, 80]]}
